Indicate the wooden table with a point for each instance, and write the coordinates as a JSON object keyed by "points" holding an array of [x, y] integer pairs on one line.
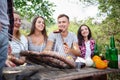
{"points": [[48, 73]]}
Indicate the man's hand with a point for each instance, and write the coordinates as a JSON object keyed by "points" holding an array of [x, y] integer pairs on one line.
{"points": [[74, 50], [66, 48]]}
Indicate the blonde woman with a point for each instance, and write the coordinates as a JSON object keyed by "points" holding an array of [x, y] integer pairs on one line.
{"points": [[17, 44], [19, 41]]}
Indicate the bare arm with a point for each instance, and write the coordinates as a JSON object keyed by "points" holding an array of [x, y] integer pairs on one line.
{"points": [[49, 46]]}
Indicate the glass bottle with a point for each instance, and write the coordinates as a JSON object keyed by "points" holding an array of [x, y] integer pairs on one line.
{"points": [[107, 53], [113, 63], [96, 52]]}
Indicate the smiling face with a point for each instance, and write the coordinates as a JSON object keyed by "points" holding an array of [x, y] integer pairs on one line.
{"points": [[83, 34], [40, 24], [84, 31], [63, 23], [17, 21]]}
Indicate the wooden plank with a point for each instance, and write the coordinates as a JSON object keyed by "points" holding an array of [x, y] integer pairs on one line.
{"points": [[51, 73]]}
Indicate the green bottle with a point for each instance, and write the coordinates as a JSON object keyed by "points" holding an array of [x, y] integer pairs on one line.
{"points": [[96, 52], [107, 53], [113, 63]]}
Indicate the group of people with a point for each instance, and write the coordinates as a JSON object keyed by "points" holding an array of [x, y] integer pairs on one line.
{"points": [[66, 43]]}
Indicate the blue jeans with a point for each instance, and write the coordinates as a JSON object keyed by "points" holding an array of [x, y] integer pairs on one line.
{"points": [[3, 47], [4, 21]]}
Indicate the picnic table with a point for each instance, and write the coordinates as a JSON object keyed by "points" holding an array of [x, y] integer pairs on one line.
{"points": [[50, 73]]}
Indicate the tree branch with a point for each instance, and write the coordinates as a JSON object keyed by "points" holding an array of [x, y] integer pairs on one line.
{"points": [[118, 40]]}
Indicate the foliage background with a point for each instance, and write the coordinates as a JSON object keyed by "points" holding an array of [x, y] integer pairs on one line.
{"points": [[101, 32]]}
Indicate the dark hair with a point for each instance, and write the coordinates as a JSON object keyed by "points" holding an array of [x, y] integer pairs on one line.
{"points": [[80, 37], [33, 27], [63, 15]]}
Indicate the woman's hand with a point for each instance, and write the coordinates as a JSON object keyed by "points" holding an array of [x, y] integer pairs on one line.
{"points": [[9, 63], [11, 57]]}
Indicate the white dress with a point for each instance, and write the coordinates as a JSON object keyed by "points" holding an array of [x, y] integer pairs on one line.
{"points": [[18, 46]]}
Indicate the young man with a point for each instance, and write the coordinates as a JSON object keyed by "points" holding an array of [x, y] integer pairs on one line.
{"points": [[4, 23], [65, 43]]}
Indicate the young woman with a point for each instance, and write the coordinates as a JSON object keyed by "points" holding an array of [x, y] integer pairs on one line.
{"points": [[85, 41], [86, 46], [38, 37], [17, 44], [19, 41]]}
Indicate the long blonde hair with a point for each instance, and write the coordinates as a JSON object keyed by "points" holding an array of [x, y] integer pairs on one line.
{"points": [[17, 34]]}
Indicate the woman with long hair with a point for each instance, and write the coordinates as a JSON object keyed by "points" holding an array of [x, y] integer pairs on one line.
{"points": [[85, 41], [17, 44], [86, 45], [38, 37]]}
